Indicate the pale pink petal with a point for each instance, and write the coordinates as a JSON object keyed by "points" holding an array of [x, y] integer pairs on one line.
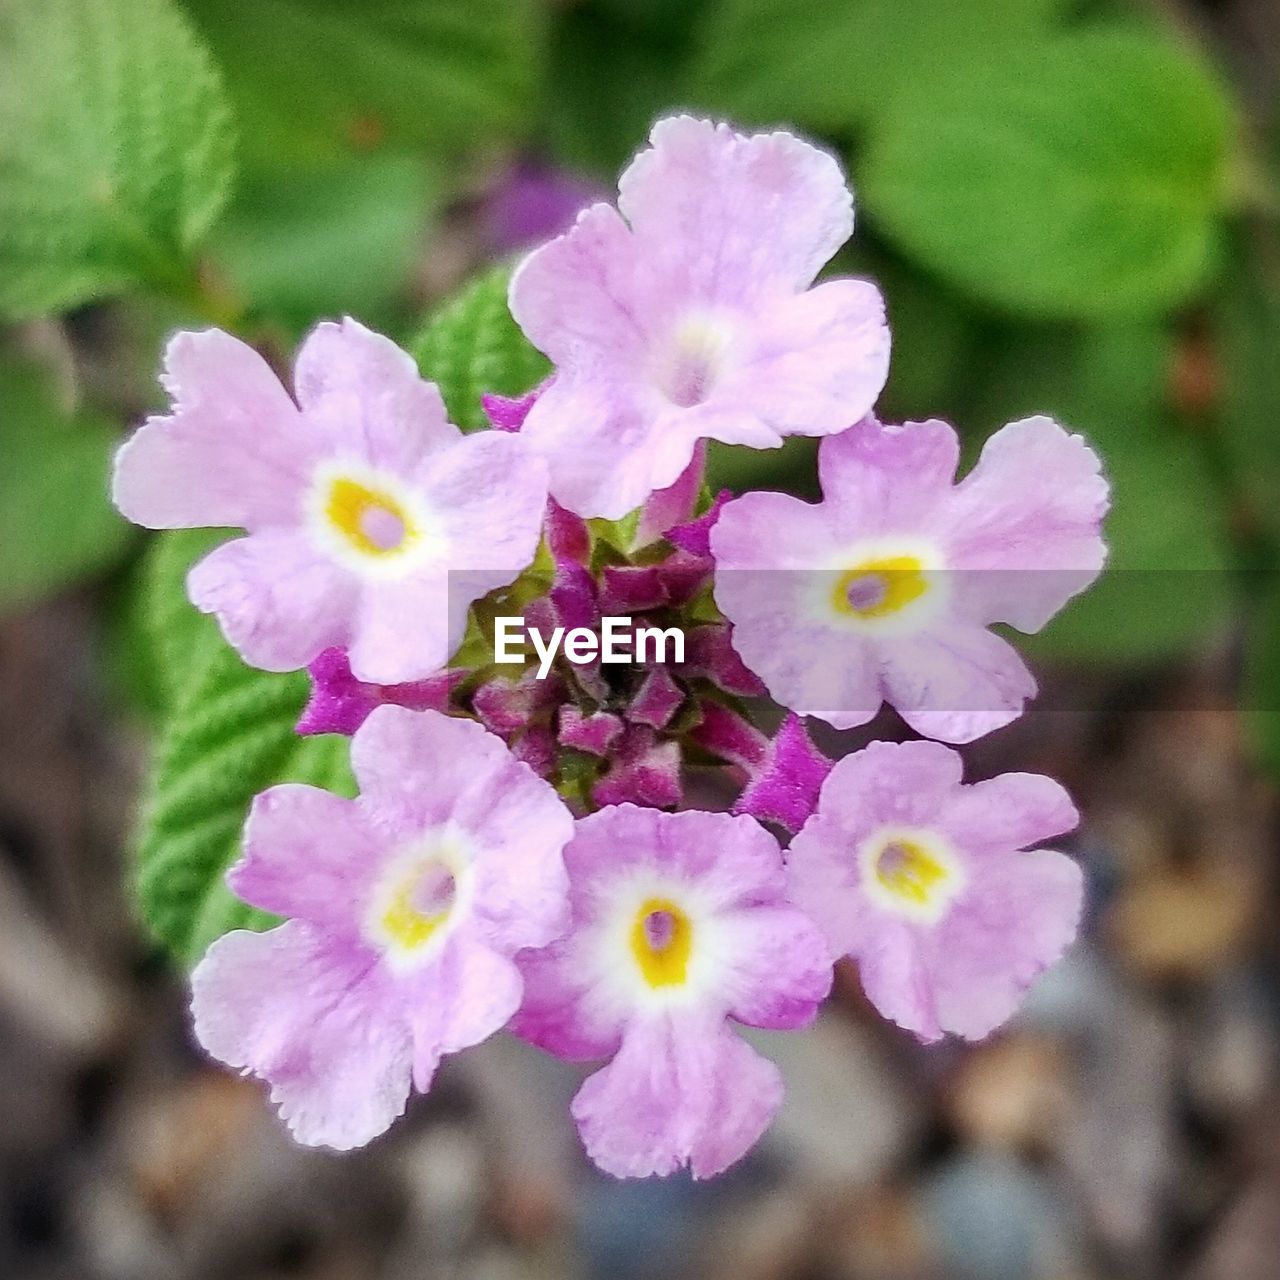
{"points": [[747, 217], [368, 399], [1013, 811], [955, 682], [770, 531], [818, 362], [234, 452], [280, 603], [307, 853], [480, 990], [681, 1092], [887, 479], [609, 445], [406, 629], [1015, 920], [491, 493], [1025, 525], [585, 295], [778, 968], [731, 858], [316, 1022], [421, 769], [568, 1007]]}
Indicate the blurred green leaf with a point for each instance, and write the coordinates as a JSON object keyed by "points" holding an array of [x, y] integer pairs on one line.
{"points": [[472, 345], [341, 240], [1248, 345], [834, 65], [115, 149], [317, 79], [1168, 582], [56, 522], [1083, 179], [609, 82], [229, 737], [1260, 695]]}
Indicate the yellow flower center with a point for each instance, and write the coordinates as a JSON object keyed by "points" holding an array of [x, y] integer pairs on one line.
{"points": [[879, 587], [371, 520], [661, 941], [416, 906], [911, 873]]}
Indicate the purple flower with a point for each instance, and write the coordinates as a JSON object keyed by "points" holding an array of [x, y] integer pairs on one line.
{"points": [[925, 883], [679, 924], [406, 907], [373, 523], [884, 590], [687, 314]]}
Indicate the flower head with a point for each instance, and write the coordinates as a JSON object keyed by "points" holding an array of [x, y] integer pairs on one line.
{"points": [[373, 523], [678, 924], [925, 883], [686, 313], [883, 592], [405, 907]]}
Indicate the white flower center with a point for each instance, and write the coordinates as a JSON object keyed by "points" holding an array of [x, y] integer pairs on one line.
{"points": [[911, 872], [417, 899], [371, 521], [695, 358]]}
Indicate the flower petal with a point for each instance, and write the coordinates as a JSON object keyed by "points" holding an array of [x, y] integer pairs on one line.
{"points": [[316, 1022], [361, 390], [777, 966], [1016, 919], [234, 452], [955, 683], [1013, 811], [679, 1092], [747, 216], [460, 1001], [280, 602], [820, 361], [407, 629], [307, 853]]}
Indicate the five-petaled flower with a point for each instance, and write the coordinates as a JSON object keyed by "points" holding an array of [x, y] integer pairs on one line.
{"points": [[687, 314], [884, 591], [406, 907], [679, 924], [926, 883], [373, 522]]}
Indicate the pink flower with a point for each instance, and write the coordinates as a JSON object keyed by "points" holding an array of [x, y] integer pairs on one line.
{"points": [[686, 314], [373, 523], [925, 883], [679, 924], [406, 907], [883, 592]]}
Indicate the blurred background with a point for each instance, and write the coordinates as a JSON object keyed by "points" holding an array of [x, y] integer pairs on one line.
{"points": [[1073, 206]]}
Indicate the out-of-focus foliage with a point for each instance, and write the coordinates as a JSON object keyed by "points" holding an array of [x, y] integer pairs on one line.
{"points": [[312, 79], [1009, 187], [115, 149], [342, 238], [56, 522]]}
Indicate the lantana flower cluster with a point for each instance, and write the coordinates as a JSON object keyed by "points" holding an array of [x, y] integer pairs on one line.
{"points": [[595, 860]]}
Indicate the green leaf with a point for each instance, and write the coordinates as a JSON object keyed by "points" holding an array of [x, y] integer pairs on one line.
{"points": [[610, 80], [1260, 698], [316, 79], [472, 345], [57, 525], [1168, 582], [115, 149], [1248, 341], [833, 65], [1082, 178], [342, 240], [229, 737]]}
